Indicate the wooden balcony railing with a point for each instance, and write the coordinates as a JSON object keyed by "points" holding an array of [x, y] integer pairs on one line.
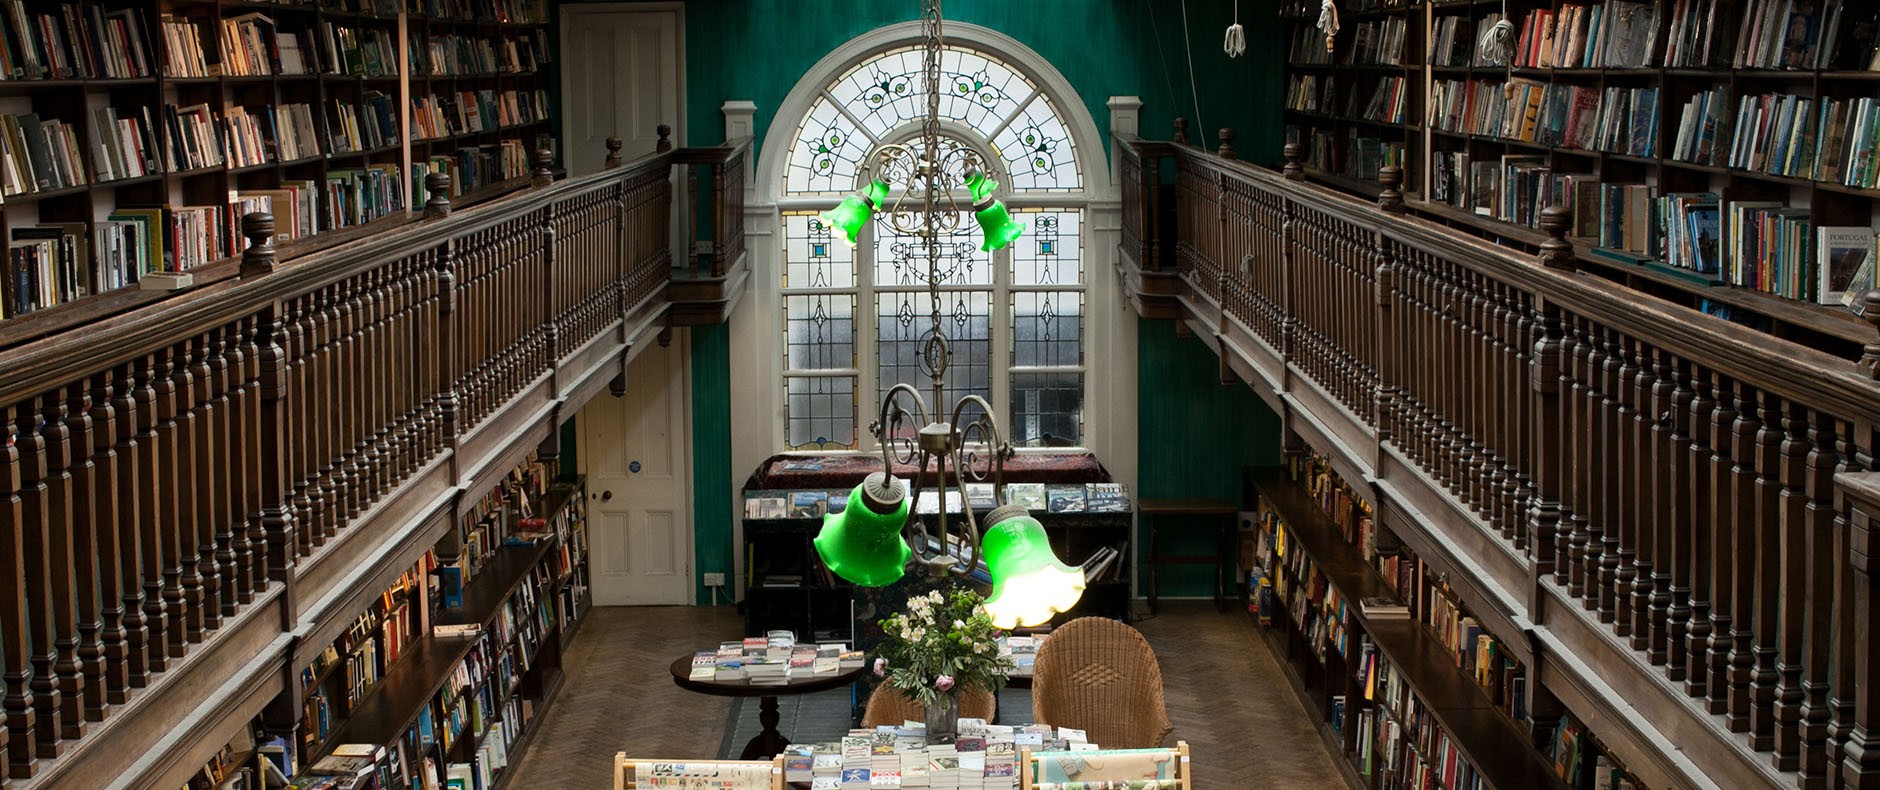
{"points": [[1674, 508], [716, 266], [192, 491]]}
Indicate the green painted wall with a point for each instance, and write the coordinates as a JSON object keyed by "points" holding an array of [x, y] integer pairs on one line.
{"points": [[759, 49], [1194, 436]]}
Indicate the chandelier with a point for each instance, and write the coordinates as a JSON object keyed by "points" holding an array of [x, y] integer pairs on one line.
{"points": [[868, 542]]}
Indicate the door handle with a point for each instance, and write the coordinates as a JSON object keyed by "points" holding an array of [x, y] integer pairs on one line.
{"points": [[607, 496]]}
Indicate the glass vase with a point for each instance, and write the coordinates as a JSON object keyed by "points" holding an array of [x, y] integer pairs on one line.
{"points": [[943, 718]]}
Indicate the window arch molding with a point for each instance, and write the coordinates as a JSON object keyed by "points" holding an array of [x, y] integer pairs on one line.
{"points": [[757, 345]]}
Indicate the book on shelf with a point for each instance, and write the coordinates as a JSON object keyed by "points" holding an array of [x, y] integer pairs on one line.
{"points": [[1383, 608], [1064, 498], [41, 154], [122, 147], [182, 48], [765, 505], [64, 41], [1106, 498], [1030, 496], [808, 504]]}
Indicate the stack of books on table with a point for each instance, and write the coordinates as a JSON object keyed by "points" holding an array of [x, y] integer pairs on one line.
{"points": [[773, 659], [984, 757]]}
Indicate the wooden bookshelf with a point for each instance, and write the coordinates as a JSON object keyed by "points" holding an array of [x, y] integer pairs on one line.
{"points": [[1502, 754], [1829, 202], [347, 183]]}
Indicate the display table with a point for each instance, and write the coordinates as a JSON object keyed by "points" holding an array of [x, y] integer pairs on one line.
{"points": [[983, 757], [769, 742], [1219, 514]]}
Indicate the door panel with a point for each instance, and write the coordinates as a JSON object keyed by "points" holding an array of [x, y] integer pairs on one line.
{"points": [[621, 79], [635, 451]]}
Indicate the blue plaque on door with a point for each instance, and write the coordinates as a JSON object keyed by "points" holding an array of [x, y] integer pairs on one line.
{"points": [[633, 466]]}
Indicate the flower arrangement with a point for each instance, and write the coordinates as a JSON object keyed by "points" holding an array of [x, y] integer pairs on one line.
{"points": [[944, 642]]}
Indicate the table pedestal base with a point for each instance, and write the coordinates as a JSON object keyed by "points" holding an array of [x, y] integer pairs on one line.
{"points": [[768, 743]]}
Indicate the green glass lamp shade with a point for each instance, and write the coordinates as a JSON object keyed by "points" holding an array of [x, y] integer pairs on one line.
{"points": [[853, 213], [1029, 583], [863, 543], [994, 221]]}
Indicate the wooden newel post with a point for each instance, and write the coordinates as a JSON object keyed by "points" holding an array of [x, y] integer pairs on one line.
{"points": [[613, 153], [1859, 757], [1226, 151], [1390, 197], [1295, 168], [544, 168], [437, 185], [1870, 354], [665, 139], [1181, 131], [1556, 251], [259, 257]]}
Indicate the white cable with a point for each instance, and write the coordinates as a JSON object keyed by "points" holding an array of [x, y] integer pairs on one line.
{"points": [[1193, 91], [1236, 42], [1495, 45]]}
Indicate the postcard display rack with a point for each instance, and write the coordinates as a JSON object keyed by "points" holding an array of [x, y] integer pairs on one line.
{"points": [[1405, 683], [442, 678], [134, 137], [787, 587], [1716, 153]]}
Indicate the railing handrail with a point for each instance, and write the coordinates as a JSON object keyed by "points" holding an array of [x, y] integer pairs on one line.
{"points": [[1770, 363], [711, 154], [48, 362]]}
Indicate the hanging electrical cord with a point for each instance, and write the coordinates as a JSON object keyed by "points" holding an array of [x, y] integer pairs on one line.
{"points": [[1495, 47], [1328, 22], [1194, 91], [1235, 44]]}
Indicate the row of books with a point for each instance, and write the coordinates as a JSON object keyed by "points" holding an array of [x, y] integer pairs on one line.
{"points": [[370, 124], [1823, 139], [1615, 120], [449, 54], [337, 680], [1309, 92], [474, 167], [1580, 761], [488, 524], [1287, 582], [1615, 34], [469, 112], [509, 12], [282, 133], [1379, 43], [1453, 41], [1037, 497], [1307, 47], [1789, 34], [66, 41], [1388, 101]]}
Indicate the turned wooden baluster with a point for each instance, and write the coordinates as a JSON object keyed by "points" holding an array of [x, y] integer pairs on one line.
{"points": [[1828, 622], [1622, 535], [43, 596], [74, 456], [205, 457], [328, 410], [295, 327], [56, 440], [154, 520], [224, 517], [133, 525], [1697, 525], [1795, 571], [16, 633], [1679, 527], [1665, 444], [1859, 756], [1568, 569], [353, 437], [368, 365], [1545, 367], [244, 419], [181, 414], [1740, 544], [110, 512], [1766, 585], [447, 360], [1645, 495], [277, 516], [1602, 529], [1723, 542]]}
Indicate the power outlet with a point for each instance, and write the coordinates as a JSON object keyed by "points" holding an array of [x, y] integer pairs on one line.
{"points": [[714, 580]]}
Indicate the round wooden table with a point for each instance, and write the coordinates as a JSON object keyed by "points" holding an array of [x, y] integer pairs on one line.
{"points": [[768, 743]]}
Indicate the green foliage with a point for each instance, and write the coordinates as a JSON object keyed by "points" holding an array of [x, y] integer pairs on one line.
{"points": [[942, 635]]}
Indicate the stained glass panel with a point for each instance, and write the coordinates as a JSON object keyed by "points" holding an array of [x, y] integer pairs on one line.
{"points": [[1047, 329], [1047, 409], [904, 320], [890, 91], [821, 331], [812, 257], [827, 153], [901, 259], [820, 412], [1037, 151], [1051, 252]]}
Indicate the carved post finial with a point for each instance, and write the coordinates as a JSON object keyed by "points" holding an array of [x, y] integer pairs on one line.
{"points": [[438, 186], [1181, 130], [665, 139], [1556, 251], [259, 257], [613, 153], [1226, 150], [1295, 168], [1390, 195], [544, 167], [1870, 354]]}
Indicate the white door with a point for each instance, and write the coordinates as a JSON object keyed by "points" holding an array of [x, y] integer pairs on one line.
{"points": [[636, 451], [621, 77]]}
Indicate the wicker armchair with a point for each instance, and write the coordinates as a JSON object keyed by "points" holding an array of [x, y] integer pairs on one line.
{"points": [[887, 705], [1099, 675]]}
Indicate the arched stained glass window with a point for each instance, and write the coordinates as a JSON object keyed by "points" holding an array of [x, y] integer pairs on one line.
{"points": [[854, 317]]}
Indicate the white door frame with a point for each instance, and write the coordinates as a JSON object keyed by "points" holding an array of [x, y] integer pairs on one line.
{"points": [[569, 11]]}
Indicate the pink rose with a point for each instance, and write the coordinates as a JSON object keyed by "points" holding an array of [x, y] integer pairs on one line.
{"points": [[943, 683], [881, 667]]}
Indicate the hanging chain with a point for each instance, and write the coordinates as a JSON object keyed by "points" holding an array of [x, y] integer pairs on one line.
{"points": [[936, 351]]}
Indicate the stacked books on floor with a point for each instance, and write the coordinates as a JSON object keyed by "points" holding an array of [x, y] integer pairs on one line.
{"points": [[773, 660], [983, 757]]}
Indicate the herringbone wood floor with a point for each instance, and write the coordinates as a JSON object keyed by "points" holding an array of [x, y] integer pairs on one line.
{"points": [[1225, 695]]}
